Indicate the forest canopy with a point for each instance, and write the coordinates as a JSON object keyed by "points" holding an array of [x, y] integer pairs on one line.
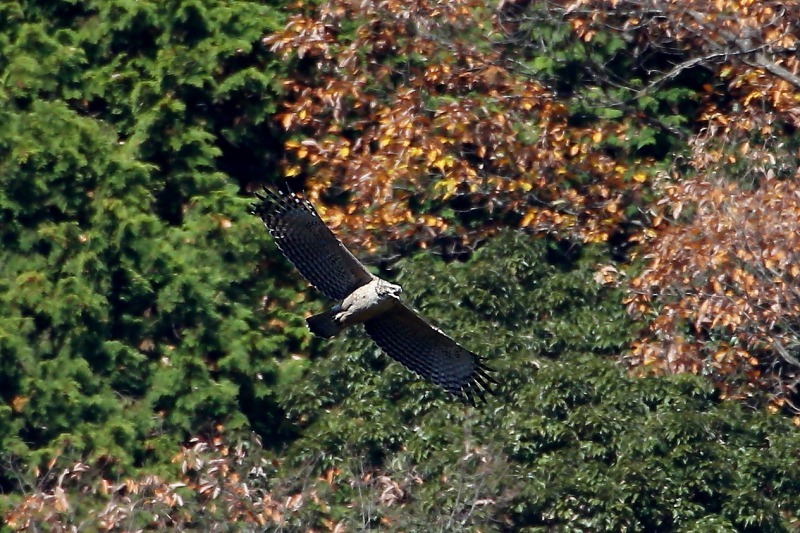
{"points": [[599, 197]]}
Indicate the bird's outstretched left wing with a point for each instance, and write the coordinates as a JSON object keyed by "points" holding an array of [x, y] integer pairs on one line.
{"points": [[409, 339], [309, 244]]}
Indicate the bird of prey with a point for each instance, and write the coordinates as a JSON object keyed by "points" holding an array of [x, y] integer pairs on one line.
{"points": [[405, 336]]}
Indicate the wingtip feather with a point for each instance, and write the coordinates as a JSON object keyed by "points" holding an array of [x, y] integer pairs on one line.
{"points": [[479, 385]]}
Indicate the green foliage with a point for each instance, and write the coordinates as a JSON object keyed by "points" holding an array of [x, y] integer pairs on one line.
{"points": [[570, 441], [605, 78], [128, 283], [643, 454]]}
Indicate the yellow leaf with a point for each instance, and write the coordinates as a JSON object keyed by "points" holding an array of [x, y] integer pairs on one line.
{"points": [[430, 221], [528, 218], [443, 163], [449, 186], [432, 156], [640, 177], [744, 148], [597, 137]]}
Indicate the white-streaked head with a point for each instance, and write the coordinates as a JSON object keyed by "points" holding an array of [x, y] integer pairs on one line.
{"points": [[387, 289]]}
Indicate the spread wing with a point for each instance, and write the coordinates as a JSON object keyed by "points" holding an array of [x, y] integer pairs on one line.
{"points": [[309, 244], [409, 339]]}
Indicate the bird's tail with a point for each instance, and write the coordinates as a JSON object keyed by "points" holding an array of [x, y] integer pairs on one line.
{"points": [[324, 325]]}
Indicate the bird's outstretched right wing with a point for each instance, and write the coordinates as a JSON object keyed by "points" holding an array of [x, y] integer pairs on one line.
{"points": [[407, 338], [309, 244]]}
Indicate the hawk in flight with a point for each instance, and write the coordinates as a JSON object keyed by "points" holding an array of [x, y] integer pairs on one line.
{"points": [[405, 336]]}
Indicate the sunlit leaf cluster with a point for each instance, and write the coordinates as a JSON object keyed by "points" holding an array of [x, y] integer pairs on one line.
{"points": [[743, 57], [422, 116], [721, 247], [723, 286]]}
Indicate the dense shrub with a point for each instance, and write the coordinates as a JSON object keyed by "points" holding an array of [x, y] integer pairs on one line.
{"points": [[130, 292]]}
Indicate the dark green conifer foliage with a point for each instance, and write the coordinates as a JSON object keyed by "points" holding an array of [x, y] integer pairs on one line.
{"points": [[131, 299]]}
